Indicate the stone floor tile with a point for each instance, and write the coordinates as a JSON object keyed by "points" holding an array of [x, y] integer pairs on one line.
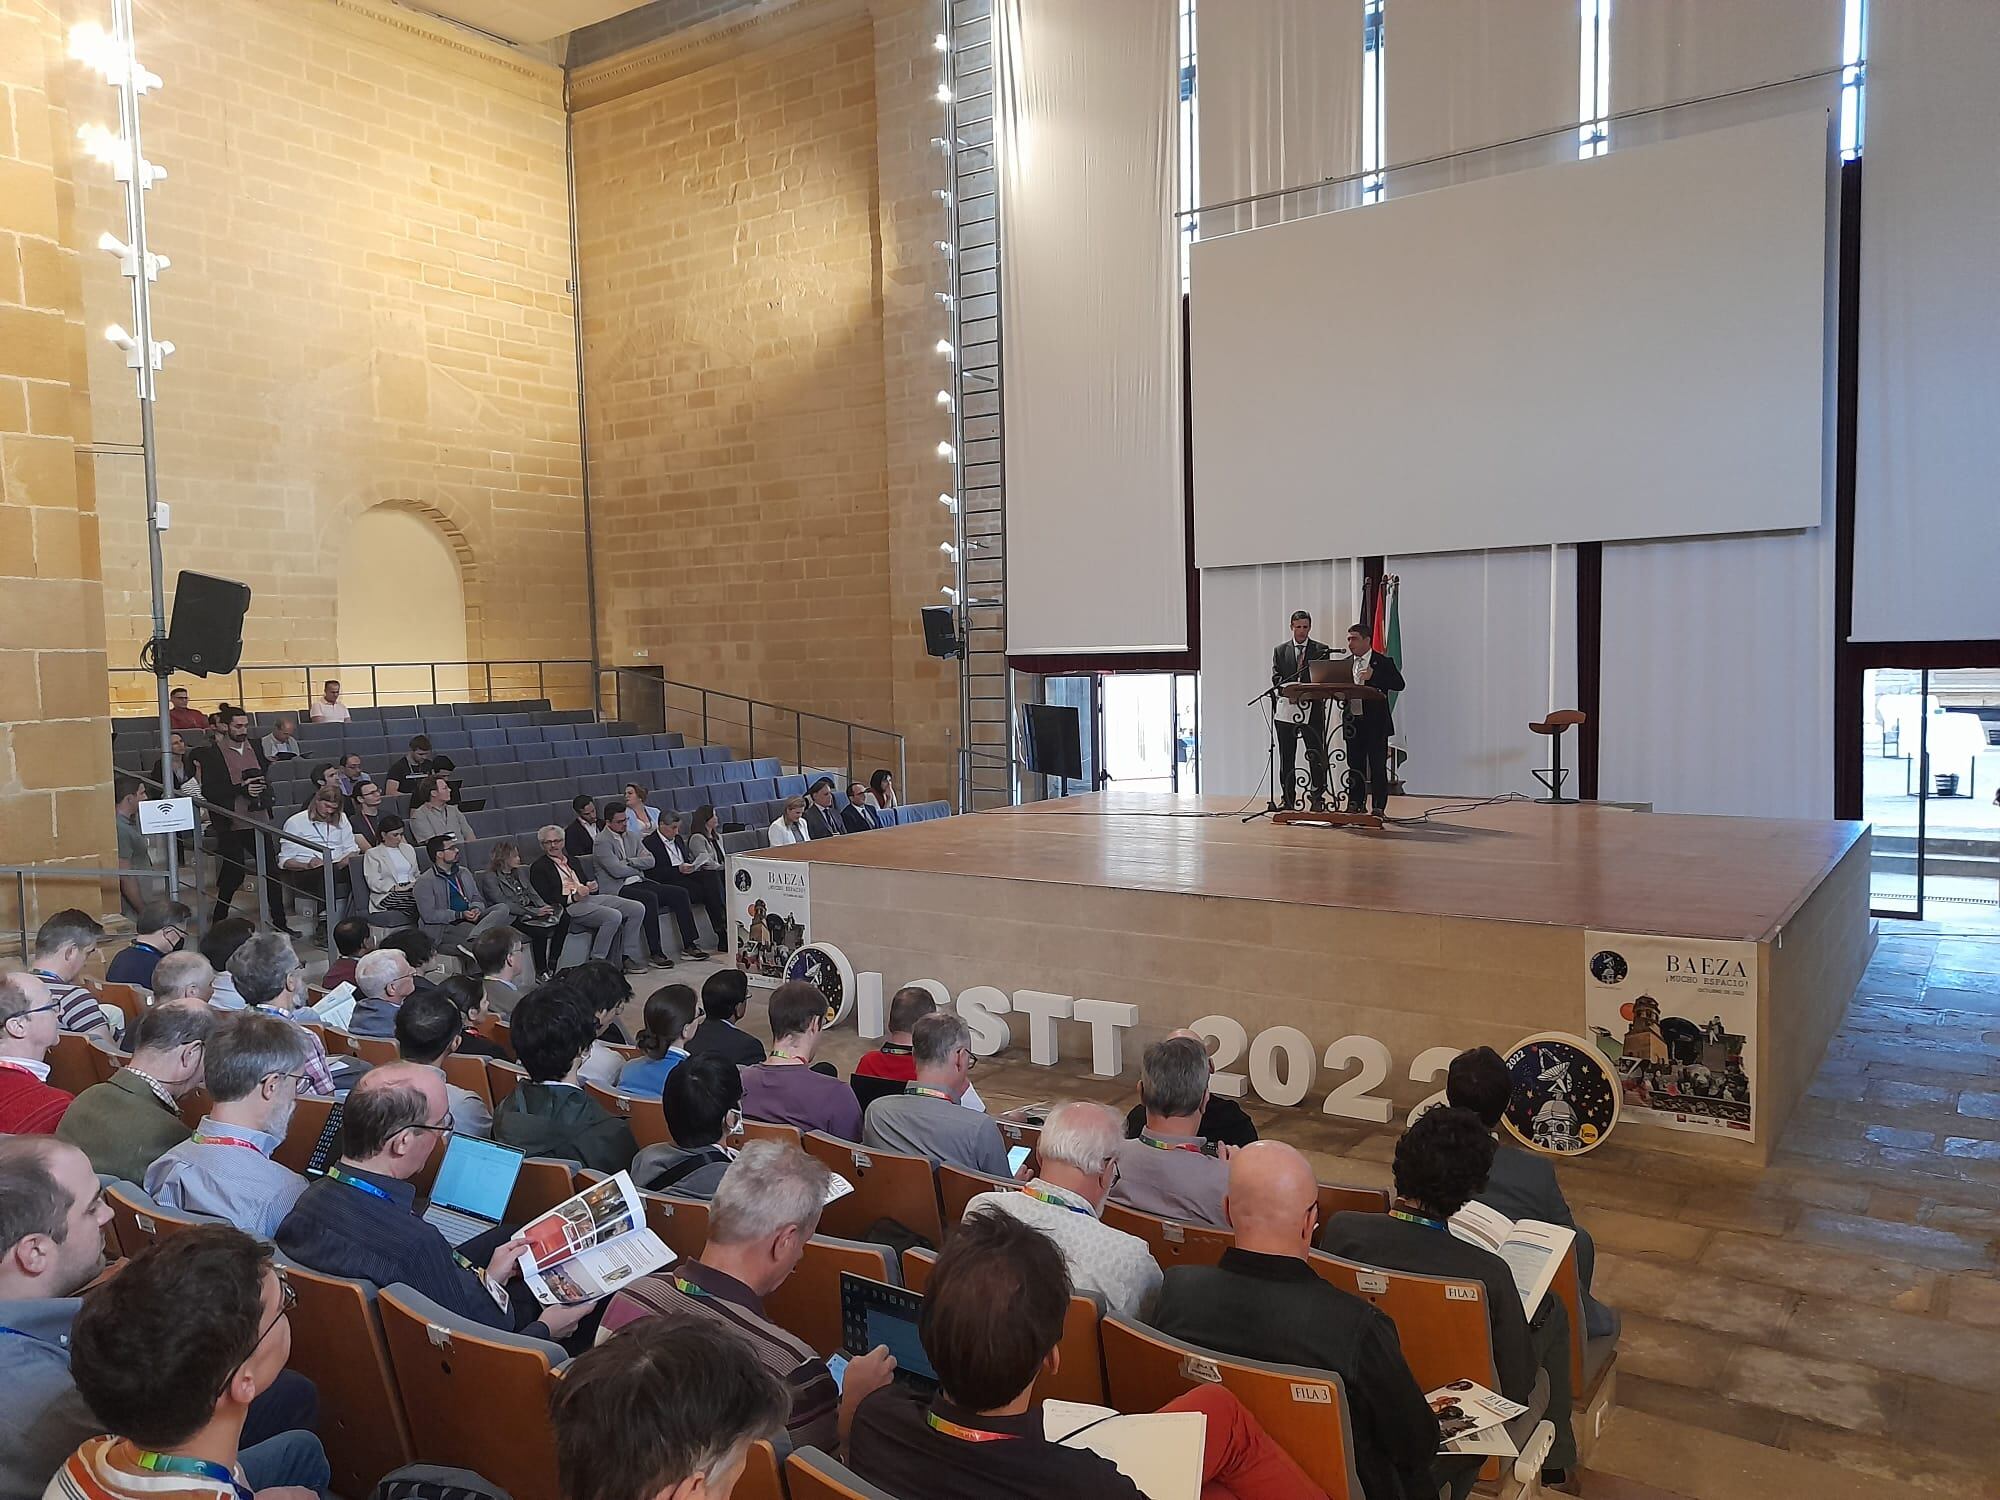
{"points": [[1933, 1348], [1915, 1243], [1895, 1092], [1980, 1104], [1702, 1410], [1972, 1150], [1887, 1467], [1954, 1422], [1707, 1465], [1622, 1233], [1973, 1299], [1895, 1207], [1677, 1354], [1837, 1392], [1896, 1135], [1744, 1310], [1735, 1208], [1805, 1268]]}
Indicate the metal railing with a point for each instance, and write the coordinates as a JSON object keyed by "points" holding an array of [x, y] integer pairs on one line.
{"points": [[24, 875], [291, 687], [749, 726]]}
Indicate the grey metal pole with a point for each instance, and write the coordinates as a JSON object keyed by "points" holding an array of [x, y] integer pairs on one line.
{"points": [[262, 895], [582, 413], [332, 895]]}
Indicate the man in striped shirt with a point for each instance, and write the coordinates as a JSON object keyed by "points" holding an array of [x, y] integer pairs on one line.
{"points": [[763, 1213], [63, 945]]}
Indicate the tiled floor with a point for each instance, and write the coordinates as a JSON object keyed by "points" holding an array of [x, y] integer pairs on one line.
{"points": [[1827, 1328]]}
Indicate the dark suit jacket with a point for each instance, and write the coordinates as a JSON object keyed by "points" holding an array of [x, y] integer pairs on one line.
{"points": [[1523, 1185], [579, 841], [821, 822], [1276, 1308], [858, 819], [216, 786], [726, 1041], [1285, 659], [547, 884], [1375, 717], [1222, 1120], [1398, 1245]]}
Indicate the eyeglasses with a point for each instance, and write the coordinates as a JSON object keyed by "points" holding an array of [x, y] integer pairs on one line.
{"points": [[443, 1127], [287, 1300], [37, 1010]]}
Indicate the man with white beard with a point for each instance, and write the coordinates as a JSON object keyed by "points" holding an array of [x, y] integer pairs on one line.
{"points": [[254, 1064]]}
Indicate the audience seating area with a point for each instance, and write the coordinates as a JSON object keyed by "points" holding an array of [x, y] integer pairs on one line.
{"points": [[526, 762]]}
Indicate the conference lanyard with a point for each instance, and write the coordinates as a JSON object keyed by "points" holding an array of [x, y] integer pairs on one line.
{"points": [[225, 1140], [1409, 1218], [168, 1463], [688, 1289], [1159, 1145], [967, 1434], [1041, 1195], [374, 1192], [925, 1091]]}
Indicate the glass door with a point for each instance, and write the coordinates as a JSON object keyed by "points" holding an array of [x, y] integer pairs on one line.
{"points": [[1931, 789], [1141, 730]]}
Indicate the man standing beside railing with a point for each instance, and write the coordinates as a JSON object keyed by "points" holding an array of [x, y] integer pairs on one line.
{"points": [[235, 776]]}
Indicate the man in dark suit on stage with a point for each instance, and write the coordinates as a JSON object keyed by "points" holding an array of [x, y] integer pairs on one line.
{"points": [[1368, 726], [1289, 663]]}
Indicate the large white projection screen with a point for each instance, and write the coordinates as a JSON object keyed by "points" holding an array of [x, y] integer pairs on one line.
{"points": [[1624, 347]]}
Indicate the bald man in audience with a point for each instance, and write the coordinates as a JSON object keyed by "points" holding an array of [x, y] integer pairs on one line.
{"points": [[1264, 1301]]}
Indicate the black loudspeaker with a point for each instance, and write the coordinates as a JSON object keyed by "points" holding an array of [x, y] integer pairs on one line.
{"points": [[941, 631], [207, 631]]}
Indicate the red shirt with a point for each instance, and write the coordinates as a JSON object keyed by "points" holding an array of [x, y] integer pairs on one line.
{"points": [[891, 1061], [187, 718], [27, 1105]]}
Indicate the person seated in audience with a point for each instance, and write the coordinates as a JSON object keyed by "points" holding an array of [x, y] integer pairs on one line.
{"points": [[52, 1220], [282, 743], [415, 764], [822, 818], [385, 980], [1077, 1161], [1170, 1170], [364, 815], [253, 1066], [218, 946], [124, 1125], [429, 1029], [29, 1103], [448, 902], [181, 714], [135, 848], [580, 838], [171, 1354], [322, 821], [324, 775], [390, 868], [704, 848], [784, 1089], [1223, 1121], [765, 1209], [991, 1323], [894, 1060], [643, 818], [502, 956], [349, 777], [858, 816], [668, 1411], [882, 792], [550, 1114], [700, 1100], [1441, 1162], [361, 1219], [503, 886], [327, 707], [269, 978], [433, 813], [725, 998], [621, 856], [64, 945], [352, 937], [790, 825], [418, 951], [186, 976], [163, 926], [927, 1118], [670, 1022], [467, 993], [606, 991], [1522, 1184], [612, 921], [180, 773], [1264, 1301], [676, 865]]}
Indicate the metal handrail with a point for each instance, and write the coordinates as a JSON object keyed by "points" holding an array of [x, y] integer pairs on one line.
{"points": [[310, 676], [22, 874]]}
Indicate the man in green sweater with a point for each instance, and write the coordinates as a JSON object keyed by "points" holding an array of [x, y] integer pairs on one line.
{"points": [[127, 1124]]}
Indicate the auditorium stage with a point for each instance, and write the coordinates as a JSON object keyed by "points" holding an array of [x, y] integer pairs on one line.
{"points": [[1468, 928]]}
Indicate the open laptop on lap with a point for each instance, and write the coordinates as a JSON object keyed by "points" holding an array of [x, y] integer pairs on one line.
{"points": [[474, 1182]]}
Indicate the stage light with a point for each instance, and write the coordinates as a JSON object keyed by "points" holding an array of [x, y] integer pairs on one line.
{"points": [[943, 196], [99, 144], [944, 348], [950, 552], [950, 593], [940, 43], [944, 399], [946, 452], [949, 502], [942, 144], [945, 248], [945, 300], [111, 242], [944, 93], [116, 334]]}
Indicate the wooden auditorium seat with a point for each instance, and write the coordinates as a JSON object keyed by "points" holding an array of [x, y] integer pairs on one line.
{"points": [[474, 1398], [337, 1344], [1593, 1362], [128, 999], [544, 1182], [958, 1187], [1172, 1243], [681, 1223], [105, 1059], [1334, 1199], [376, 1051], [762, 1479], [807, 1304], [646, 1116], [502, 1078], [811, 1475], [771, 1130], [137, 1221], [71, 1067], [469, 1073], [1304, 1411], [887, 1185], [308, 1120]]}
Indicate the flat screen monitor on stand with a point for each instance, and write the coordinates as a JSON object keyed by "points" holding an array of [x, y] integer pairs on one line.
{"points": [[1052, 736]]}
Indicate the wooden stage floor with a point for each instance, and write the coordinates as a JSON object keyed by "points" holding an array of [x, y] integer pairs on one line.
{"points": [[1581, 865]]}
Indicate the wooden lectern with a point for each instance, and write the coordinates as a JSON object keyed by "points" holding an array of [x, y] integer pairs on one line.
{"points": [[1309, 693]]}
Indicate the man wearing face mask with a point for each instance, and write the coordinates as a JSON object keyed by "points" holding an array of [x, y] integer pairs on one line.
{"points": [[163, 927], [225, 1168]]}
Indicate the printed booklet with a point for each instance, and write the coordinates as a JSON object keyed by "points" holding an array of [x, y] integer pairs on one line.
{"points": [[591, 1245], [1471, 1418], [1533, 1250]]}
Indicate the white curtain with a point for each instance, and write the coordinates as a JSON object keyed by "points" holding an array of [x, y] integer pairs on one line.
{"points": [[1717, 689], [1927, 481], [1477, 639], [1088, 153], [1278, 101], [1458, 74], [1245, 613]]}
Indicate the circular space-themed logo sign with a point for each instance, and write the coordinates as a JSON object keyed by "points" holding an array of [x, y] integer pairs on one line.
{"points": [[742, 880], [1608, 967], [1565, 1099], [827, 970]]}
